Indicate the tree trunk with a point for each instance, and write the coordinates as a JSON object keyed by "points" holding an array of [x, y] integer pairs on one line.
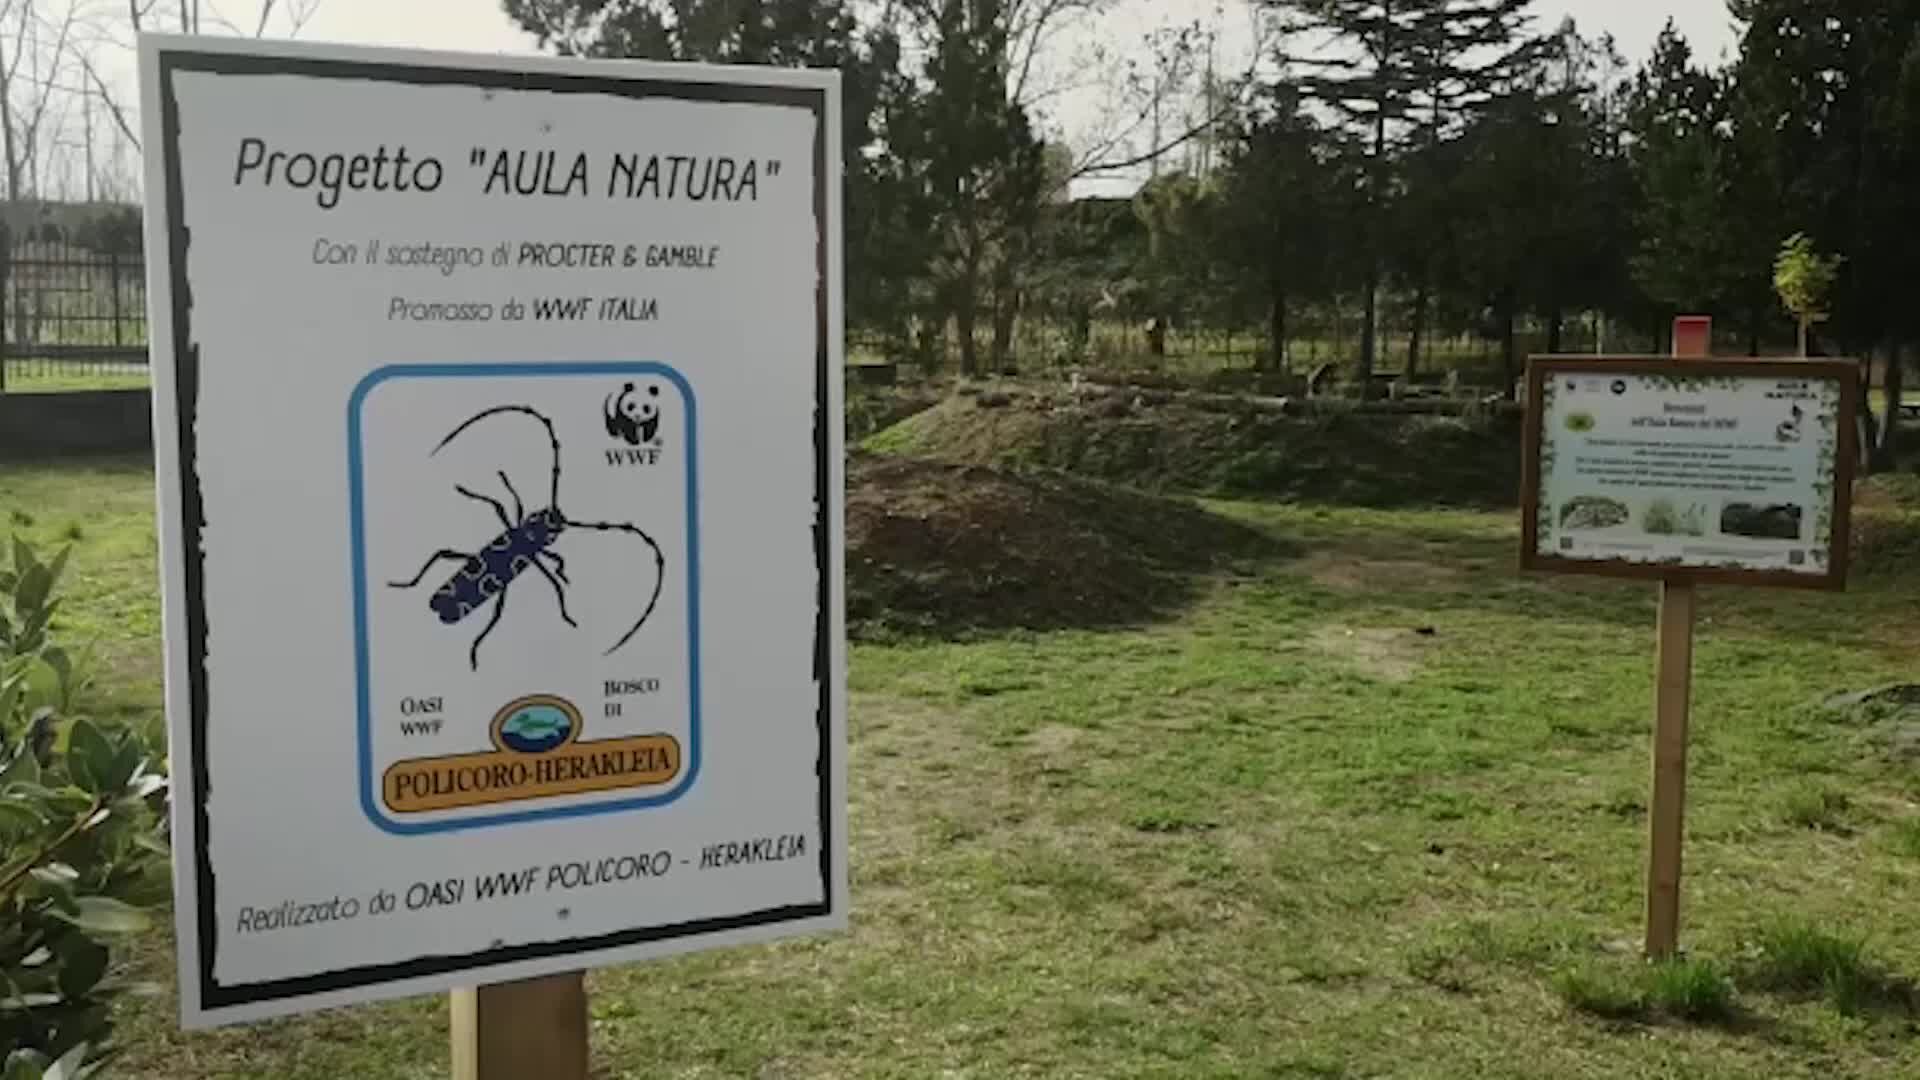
{"points": [[1006, 305], [1003, 335], [1363, 367], [1277, 328], [6, 132], [966, 306], [963, 315], [1509, 343], [1418, 328], [1363, 370], [1886, 451]]}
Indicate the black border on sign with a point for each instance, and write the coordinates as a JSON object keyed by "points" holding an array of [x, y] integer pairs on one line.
{"points": [[214, 995], [1846, 450]]}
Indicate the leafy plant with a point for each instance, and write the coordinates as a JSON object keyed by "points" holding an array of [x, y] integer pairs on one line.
{"points": [[1689, 989], [1663, 518], [1804, 279], [1906, 838], [1678, 988], [1796, 956], [1600, 992], [77, 824], [1816, 806]]}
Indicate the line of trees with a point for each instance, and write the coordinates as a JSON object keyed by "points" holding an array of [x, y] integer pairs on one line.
{"points": [[953, 193], [1442, 166]]}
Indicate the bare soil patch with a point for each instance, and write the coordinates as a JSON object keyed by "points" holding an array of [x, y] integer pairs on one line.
{"points": [[1387, 655], [945, 548]]}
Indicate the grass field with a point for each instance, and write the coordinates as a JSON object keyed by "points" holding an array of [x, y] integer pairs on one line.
{"points": [[1282, 832], [36, 378]]}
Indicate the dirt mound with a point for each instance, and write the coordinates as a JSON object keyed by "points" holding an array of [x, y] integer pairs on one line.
{"points": [[1886, 524], [944, 548], [1249, 446]]}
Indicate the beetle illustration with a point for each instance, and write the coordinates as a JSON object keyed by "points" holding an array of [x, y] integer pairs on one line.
{"points": [[527, 543]]}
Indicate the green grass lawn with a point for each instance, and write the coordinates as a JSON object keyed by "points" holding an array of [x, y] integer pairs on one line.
{"points": [[35, 379], [1281, 834]]}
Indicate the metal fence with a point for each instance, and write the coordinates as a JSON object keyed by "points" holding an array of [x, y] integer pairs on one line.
{"points": [[70, 317]]}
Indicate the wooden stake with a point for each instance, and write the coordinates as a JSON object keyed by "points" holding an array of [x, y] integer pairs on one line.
{"points": [[530, 1030], [1667, 814], [1673, 689]]}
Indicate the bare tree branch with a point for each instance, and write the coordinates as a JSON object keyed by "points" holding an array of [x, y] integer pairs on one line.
{"points": [[113, 105], [1096, 159], [32, 129], [299, 13], [1034, 24]]}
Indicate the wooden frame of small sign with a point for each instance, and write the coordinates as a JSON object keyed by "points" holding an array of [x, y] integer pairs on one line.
{"points": [[1829, 557]]}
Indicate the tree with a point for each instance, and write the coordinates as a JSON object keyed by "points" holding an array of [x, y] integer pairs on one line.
{"points": [[1804, 280], [1403, 66], [785, 33], [971, 159], [1828, 94], [33, 48], [1681, 163], [1280, 207]]}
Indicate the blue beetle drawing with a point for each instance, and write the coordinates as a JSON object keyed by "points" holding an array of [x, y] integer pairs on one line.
{"points": [[526, 543]]}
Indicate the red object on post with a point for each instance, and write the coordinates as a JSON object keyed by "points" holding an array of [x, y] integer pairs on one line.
{"points": [[1692, 335]]}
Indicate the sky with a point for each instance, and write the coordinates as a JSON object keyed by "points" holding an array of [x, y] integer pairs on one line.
{"points": [[482, 26]]}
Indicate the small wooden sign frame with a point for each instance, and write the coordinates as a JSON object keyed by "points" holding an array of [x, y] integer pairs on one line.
{"points": [[1844, 372]]}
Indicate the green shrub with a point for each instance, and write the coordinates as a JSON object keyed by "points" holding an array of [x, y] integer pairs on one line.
{"points": [[1689, 989], [78, 829], [1663, 518], [1906, 838], [1660, 518], [1816, 806], [1797, 957], [1600, 992], [1682, 989]]}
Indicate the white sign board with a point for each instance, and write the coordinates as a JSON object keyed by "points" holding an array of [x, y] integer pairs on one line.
{"points": [[498, 426], [1735, 469]]}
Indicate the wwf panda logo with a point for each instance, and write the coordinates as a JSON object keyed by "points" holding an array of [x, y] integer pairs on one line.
{"points": [[633, 418]]}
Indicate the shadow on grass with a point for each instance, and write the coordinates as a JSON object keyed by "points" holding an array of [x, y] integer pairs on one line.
{"points": [[1445, 564]]}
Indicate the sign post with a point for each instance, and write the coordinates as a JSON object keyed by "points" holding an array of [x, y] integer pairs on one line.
{"points": [[499, 456], [536, 1027], [1686, 470], [1673, 693]]}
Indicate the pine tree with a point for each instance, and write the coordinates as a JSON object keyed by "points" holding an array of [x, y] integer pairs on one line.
{"points": [[1682, 161], [1827, 101], [1397, 69], [1279, 202]]}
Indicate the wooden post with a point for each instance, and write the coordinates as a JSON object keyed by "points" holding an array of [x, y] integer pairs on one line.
{"points": [[530, 1030], [1673, 686], [1667, 813]]}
